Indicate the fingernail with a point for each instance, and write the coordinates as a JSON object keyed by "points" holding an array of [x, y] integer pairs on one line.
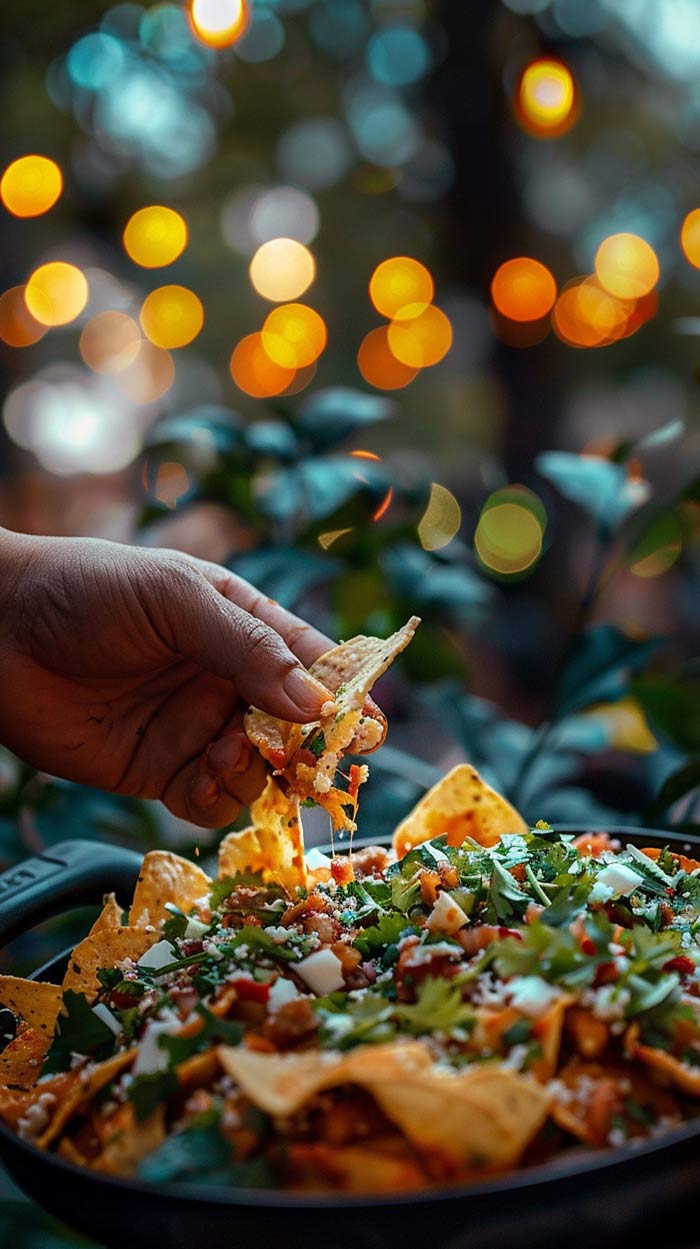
{"points": [[230, 755], [304, 690]]}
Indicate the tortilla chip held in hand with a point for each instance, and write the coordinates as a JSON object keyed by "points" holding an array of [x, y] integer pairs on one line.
{"points": [[308, 755]]}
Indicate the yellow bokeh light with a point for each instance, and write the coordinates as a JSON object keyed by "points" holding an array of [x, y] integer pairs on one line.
{"points": [[508, 538], [31, 185], [626, 266], [422, 339], [586, 315], [294, 335], [155, 236], [690, 237], [378, 364], [172, 316], [282, 269], [441, 519], [219, 23], [110, 342], [523, 289], [399, 282], [149, 376], [546, 102], [18, 328], [56, 293], [255, 373]]}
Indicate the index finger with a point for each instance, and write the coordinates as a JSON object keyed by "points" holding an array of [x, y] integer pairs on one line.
{"points": [[302, 639]]}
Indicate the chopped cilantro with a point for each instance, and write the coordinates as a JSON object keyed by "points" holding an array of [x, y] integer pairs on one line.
{"points": [[147, 1092], [78, 1031], [386, 932], [227, 1031], [317, 745]]}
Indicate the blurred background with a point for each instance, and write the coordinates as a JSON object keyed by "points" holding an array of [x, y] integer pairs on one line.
{"points": [[392, 306]]}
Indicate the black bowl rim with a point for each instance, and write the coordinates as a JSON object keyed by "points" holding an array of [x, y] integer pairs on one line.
{"points": [[532, 1177]]}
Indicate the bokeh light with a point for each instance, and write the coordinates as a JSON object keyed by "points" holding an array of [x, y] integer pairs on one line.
{"points": [[441, 520], [420, 340], [522, 289], [171, 483], [315, 152], [155, 236], [110, 342], [18, 328], [546, 101], [326, 540], [626, 265], [659, 549], [399, 282], [586, 315], [282, 269], [508, 539], [397, 56], [149, 377], [56, 293], [690, 237], [378, 364], [283, 212], [294, 335], [255, 373], [30, 186], [219, 23], [172, 316]]}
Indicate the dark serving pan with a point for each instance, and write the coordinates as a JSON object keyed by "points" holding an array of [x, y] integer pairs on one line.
{"points": [[631, 1196]]}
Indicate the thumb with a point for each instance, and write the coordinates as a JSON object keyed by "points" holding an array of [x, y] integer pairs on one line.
{"points": [[224, 639]]}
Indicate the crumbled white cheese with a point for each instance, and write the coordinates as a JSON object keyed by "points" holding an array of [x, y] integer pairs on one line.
{"points": [[281, 992], [619, 879], [322, 971], [532, 996], [446, 915], [322, 783], [36, 1117], [150, 1056], [104, 1013], [158, 956], [278, 932], [608, 1002], [315, 858], [195, 929]]}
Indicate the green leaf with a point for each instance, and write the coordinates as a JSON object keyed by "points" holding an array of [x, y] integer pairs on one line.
{"points": [[331, 415], [676, 786], [598, 668], [603, 489], [672, 705], [506, 899], [386, 932], [147, 1092], [203, 1154], [438, 1007], [78, 1031], [226, 1031]]}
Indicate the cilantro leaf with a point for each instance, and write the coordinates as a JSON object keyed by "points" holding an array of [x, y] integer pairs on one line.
{"points": [[146, 1092], [506, 899], [438, 1008], [385, 932], [201, 1152], [227, 1031], [78, 1031], [317, 745]]}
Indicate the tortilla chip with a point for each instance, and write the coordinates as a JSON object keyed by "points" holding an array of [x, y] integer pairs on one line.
{"points": [[682, 860], [352, 724], [587, 1095], [273, 845], [166, 877], [110, 916], [20, 1061], [108, 947], [666, 1067], [87, 1081], [461, 805], [35, 1001], [131, 1141], [482, 1117], [388, 1167]]}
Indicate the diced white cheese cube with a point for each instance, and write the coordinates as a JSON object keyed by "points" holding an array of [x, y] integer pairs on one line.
{"points": [[195, 929], [532, 996], [158, 956], [316, 858], [281, 992], [150, 1056], [446, 915], [104, 1013], [322, 971], [619, 878]]}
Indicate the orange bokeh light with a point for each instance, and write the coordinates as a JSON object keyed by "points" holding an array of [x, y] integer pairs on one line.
{"points": [[294, 335], [18, 328], [626, 266], [398, 283], [56, 293], [255, 373], [378, 364], [422, 340], [523, 289], [690, 237], [219, 23], [110, 342], [547, 99], [149, 376], [31, 185], [586, 315]]}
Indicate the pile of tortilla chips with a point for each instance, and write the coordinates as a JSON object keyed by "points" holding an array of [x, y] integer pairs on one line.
{"points": [[362, 1015]]}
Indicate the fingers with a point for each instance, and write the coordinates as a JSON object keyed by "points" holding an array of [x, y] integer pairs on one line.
{"points": [[223, 638], [211, 789], [306, 642]]}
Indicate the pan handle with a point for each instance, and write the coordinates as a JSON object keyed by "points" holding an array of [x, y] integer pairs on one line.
{"points": [[73, 873]]}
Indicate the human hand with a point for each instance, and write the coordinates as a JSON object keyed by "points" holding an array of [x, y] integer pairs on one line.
{"points": [[130, 670]]}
